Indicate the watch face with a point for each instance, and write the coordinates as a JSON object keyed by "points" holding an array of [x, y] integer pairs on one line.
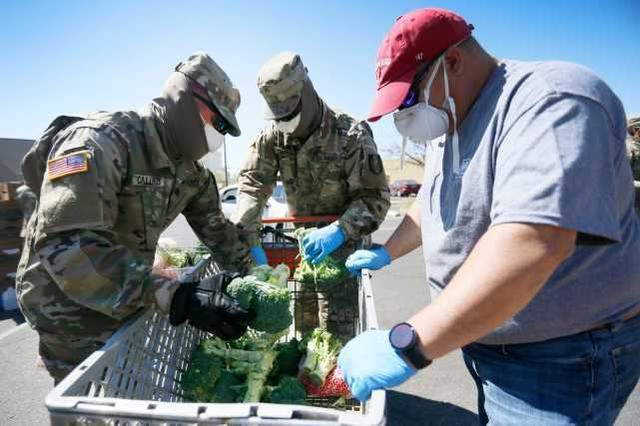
{"points": [[401, 336]]}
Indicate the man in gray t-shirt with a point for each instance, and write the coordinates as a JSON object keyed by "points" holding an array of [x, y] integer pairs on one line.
{"points": [[527, 223]]}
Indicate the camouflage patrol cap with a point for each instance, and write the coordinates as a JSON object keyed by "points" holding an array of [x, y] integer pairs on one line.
{"points": [[201, 68], [280, 80], [633, 123]]}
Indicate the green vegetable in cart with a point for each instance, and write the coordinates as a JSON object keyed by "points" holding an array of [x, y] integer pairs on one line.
{"points": [[277, 276], [288, 391], [287, 361], [322, 350], [269, 303], [254, 365], [323, 275], [198, 382], [228, 388]]}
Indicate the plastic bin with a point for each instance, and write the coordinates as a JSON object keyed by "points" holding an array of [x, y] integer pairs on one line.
{"points": [[135, 380]]}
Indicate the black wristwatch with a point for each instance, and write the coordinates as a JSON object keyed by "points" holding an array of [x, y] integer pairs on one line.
{"points": [[404, 339]]}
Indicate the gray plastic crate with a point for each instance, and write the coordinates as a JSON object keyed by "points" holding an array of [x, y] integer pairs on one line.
{"points": [[135, 380]]}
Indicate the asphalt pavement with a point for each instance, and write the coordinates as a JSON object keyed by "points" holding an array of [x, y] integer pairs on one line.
{"points": [[442, 394]]}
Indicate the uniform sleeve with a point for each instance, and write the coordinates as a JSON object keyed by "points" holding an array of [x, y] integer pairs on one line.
{"points": [[367, 186], [255, 184], [227, 242], [556, 166], [75, 240]]}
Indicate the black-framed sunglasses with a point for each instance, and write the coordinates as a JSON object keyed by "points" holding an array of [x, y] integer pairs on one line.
{"points": [[413, 95], [218, 121]]}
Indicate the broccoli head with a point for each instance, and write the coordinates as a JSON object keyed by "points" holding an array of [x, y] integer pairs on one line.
{"points": [[200, 378], [324, 275], [288, 391], [227, 388], [322, 355], [253, 365], [269, 303], [287, 360]]}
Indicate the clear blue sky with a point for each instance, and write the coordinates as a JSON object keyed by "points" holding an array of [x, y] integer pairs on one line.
{"points": [[83, 56]]}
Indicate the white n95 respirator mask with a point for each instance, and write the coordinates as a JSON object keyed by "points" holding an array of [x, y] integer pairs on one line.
{"points": [[215, 139]]}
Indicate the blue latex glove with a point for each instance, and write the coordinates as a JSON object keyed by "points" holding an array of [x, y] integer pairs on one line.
{"points": [[322, 242], [369, 362], [258, 254], [374, 258]]}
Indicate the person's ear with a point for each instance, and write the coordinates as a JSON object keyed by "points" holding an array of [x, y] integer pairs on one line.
{"points": [[454, 61]]}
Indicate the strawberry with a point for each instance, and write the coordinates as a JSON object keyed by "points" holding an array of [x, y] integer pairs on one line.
{"points": [[334, 385]]}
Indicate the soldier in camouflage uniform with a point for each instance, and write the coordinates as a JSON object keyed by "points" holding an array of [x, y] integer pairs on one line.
{"points": [[329, 165], [106, 188]]}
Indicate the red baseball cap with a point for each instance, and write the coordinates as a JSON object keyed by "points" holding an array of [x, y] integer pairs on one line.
{"points": [[415, 38]]}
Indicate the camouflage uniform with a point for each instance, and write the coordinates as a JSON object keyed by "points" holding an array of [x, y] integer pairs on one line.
{"points": [[335, 171], [90, 244]]}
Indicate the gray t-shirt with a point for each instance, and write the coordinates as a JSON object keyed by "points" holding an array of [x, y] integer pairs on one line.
{"points": [[544, 143]]}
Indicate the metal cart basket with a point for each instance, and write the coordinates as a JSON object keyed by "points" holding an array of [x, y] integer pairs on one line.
{"points": [[135, 379]]}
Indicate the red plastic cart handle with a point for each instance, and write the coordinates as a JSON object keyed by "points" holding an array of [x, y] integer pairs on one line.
{"points": [[301, 219]]}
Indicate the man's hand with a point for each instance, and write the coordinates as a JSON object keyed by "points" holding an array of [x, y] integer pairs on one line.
{"points": [[375, 258], [322, 242], [369, 362], [259, 256], [207, 307]]}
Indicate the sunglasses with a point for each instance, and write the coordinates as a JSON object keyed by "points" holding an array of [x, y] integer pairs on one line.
{"points": [[413, 95], [217, 121]]}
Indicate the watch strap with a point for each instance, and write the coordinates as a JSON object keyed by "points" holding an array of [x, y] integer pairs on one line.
{"points": [[415, 356]]}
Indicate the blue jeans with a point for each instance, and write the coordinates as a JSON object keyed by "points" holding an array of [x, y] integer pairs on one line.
{"points": [[581, 379]]}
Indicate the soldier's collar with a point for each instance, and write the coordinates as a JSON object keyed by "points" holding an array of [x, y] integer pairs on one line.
{"points": [[323, 129], [157, 154], [325, 124]]}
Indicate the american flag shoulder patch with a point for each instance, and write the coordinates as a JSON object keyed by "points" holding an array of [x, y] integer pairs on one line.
{"points": [[67, 165]]}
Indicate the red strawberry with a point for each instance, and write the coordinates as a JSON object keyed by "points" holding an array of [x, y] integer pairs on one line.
{"points": [[334, 385]]}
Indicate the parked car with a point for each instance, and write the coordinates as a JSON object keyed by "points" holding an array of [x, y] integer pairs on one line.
{"points": [[276, 204], [404, 188]]}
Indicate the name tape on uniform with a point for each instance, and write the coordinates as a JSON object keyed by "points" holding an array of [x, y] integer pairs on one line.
{"points": [[147, 180], [68, 165]]}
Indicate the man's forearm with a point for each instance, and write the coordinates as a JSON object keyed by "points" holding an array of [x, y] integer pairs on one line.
{"points": [[505, 270], [407, 236], [364, 215]]}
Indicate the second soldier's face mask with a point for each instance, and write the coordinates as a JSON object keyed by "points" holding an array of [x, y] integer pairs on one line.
{"points": [[302, 124]]}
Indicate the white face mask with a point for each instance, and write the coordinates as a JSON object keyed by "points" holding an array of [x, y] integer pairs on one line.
{"points": [[289, 126], [422, 122], [215, 139]]}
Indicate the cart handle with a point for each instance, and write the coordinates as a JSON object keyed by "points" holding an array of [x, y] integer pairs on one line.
{"points": [[301, 219]]}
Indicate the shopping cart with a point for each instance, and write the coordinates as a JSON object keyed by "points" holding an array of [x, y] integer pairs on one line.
{"points": [[338, 302], [278, 240], [135, 379]]}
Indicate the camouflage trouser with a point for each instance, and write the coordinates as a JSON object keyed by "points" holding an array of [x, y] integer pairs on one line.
{"points": [[61, 354], [335, 310]]}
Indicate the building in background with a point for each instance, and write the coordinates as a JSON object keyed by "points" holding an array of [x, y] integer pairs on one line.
{"points": [[12, 152]]}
